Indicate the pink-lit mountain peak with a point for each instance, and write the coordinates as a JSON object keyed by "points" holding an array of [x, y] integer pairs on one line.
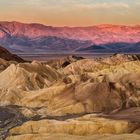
{"points": [[97, 34]]}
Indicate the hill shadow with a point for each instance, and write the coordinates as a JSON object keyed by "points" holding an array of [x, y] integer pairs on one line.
{"points": [[118, 47]]}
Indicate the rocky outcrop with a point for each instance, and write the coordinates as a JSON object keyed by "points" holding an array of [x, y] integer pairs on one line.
{"points": [[61, 63], [18, 78], [73, 137], [86, 97], [86, 125], [119, 58], [10, 117]]}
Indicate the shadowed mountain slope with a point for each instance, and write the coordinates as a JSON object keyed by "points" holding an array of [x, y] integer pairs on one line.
{"points": [[5, 54], [118, 47]]}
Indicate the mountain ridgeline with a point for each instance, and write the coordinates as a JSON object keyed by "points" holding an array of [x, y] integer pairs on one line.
{"points": [[21, 38]]}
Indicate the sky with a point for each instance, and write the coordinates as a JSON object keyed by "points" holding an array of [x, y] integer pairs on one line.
{"points": [[71, 12]]}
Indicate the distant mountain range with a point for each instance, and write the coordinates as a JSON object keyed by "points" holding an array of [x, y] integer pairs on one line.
{"points": [[28, 38]]}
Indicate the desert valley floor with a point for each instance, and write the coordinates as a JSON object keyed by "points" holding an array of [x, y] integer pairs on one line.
{"points": [[70, 99]]}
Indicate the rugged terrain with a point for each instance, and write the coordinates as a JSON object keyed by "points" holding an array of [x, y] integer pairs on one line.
{"points": [[28, 38], [72, 98]]}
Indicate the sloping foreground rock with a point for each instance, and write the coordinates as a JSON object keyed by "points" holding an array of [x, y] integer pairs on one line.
{"points": [[86, 125], [116, 126], [73, 137], [82, 126]]}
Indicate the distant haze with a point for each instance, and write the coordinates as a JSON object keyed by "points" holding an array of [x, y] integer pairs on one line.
{"points": [[71, 12]]}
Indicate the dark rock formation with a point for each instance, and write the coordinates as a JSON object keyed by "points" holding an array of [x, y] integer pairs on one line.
{"points": [[5, 54]]}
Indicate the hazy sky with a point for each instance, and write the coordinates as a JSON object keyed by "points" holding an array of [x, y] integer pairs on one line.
{"points": [[71, 12]]}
